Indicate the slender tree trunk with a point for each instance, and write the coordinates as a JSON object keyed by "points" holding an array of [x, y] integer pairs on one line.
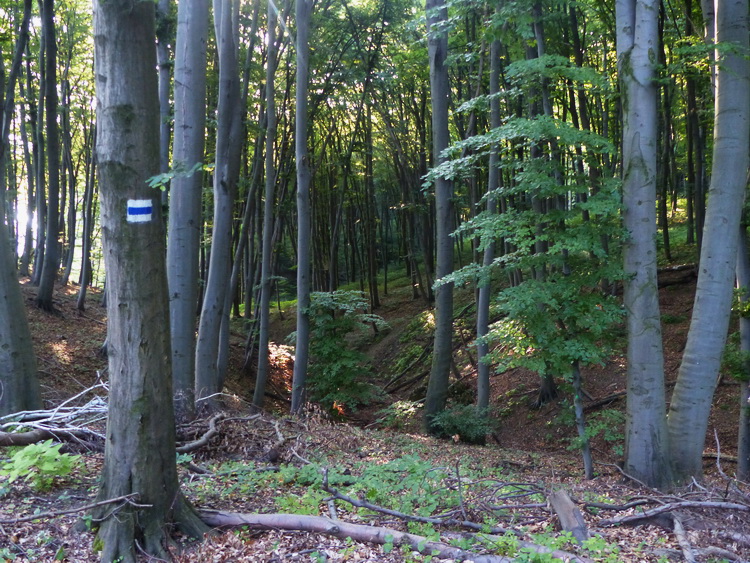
{"points": [[185, 202], [485, 283], [304, 212], [8, 109], [215, 307], [437, 389], [51, 253], [743, 284], [28, 246], [646, 439], [268, 207], [88, 227], [163, 60], [696, 382], [139, 451]]}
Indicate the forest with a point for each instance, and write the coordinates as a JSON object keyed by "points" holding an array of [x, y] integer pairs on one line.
{"points": [[293, 267]]}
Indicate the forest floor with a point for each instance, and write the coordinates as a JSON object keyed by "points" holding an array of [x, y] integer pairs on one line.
{"points": [[272, 464]]}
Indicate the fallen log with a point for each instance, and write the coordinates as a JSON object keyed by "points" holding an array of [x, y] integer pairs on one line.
{"points": [[643, 517], [366, 533], [571, 519]]}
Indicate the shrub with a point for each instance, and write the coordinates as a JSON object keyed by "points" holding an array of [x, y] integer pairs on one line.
{"points": [[40, 464]]}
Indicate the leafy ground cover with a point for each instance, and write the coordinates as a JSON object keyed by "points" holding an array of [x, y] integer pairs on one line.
{"points": [[373, 467]]}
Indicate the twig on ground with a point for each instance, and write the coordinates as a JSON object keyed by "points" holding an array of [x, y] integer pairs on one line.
{"points": [[669, 507], [362, 503], [125, 499]]}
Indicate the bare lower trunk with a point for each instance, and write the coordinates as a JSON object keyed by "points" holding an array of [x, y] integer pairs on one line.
{"points": [[437, 389], [693, 394], [646, 436]]}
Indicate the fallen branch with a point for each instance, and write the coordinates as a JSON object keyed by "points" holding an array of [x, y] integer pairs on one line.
{"points": [[361, 533], [679, 532], [125, 499], [362, 503], [407, 369], [571, 519], [42, 433], [203, 440], [635, 519]]}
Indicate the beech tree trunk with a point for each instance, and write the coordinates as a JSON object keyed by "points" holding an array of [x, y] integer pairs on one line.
{"points": [[488, 255], [185, 197], [139, 451], [51, 252], [437, 389], [268, 207], [743, 284], [646, 444], [304, 228], [215, 306], [696, 382], [19, 387]]}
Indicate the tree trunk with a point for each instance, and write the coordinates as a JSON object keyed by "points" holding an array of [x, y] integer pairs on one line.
{"points": [[485, 282], [19, 387], [8, 109], [743, 284], [304, 212], [139, 451], [437, 389], [696, 382], [88, 227], [646, 432], [215, 307], [185, 202], [268, 207], [51, 252]]}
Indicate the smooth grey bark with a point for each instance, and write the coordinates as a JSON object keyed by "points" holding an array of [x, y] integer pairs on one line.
{"points": [[88, 227], [268, 219], [304, 222], [215, 306], [25, 261], [588, 461], [485, 284], [139, 452], [646, 437], [8, 109], [39, 155], [696, 382], [185, 197], [19, 386], [163, 60], [743, 284], [437, 46], [52, 251]]}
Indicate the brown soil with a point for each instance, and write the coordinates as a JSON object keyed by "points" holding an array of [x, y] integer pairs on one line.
{"points": [[531, 441]]}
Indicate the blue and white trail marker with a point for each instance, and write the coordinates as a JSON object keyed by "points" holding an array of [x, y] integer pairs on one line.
{"points": [[140, 210]]}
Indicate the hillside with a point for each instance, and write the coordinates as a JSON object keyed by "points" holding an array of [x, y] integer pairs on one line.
{"points": [[378, 455]]}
